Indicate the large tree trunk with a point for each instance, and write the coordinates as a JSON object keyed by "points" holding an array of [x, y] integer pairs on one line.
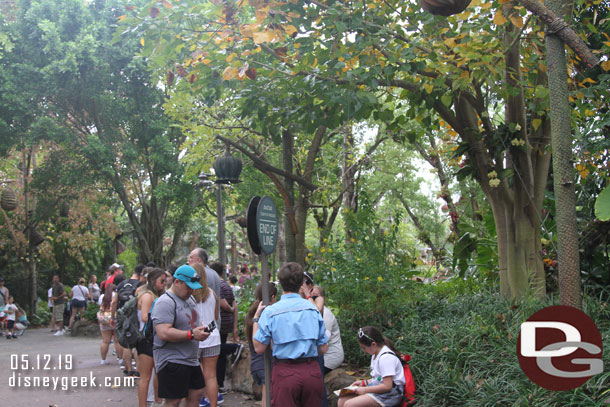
{"points": [[563, 172], [289, 210]]}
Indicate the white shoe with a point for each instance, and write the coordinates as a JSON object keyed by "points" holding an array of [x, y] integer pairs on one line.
{"points": [[104, 362], [59, 333]]}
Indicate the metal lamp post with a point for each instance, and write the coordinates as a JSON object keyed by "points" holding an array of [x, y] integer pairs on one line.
{"points": [[227, 169]]}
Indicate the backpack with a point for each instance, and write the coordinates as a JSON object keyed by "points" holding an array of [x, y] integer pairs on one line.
{"points": [[127, 324], [126, 292], [408, 398], [147, 330]]}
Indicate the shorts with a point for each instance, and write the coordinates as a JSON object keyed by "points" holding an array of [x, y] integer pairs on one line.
{"points": [[76, 303], [58, 312], [209, 352], [10, 323], [175, 380], [390, 398], [144, 347], [259, 377]]}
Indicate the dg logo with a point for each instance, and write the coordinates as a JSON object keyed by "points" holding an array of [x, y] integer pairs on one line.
{"points": [[560, 348]]}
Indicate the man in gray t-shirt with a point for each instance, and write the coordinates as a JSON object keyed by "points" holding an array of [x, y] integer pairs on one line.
{"points": [[176, 341]]}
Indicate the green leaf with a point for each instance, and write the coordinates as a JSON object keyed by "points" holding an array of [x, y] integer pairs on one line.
{"points": [[602, 205]]}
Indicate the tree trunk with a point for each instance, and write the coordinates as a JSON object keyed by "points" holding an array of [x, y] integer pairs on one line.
{"points": [[289, 234], [302, 206], [348, 178], [570, 292]]}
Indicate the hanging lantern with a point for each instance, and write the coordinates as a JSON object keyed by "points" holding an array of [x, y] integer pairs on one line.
{"points": [[227, 169], [64, 210], [444, 7], [35, 237], [8, 200]]}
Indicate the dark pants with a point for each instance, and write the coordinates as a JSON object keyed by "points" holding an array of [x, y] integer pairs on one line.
{"points": [[221, 366], [298, 385], [322, 370]]}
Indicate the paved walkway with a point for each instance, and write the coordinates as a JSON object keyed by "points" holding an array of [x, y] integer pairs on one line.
{"points": [[40, 370]]}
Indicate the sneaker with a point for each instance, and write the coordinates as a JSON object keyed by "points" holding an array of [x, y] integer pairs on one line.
{"points": [[59, 333], [104, 362], [222, 390], [122, 364], [220, 399], [15, 336], [237, 354], [204, 402], [8, 337]]}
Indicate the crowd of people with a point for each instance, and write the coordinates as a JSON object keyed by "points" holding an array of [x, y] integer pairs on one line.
{"points": [[185, 316]]}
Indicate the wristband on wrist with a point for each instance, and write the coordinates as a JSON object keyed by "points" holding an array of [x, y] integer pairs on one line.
{"points": [[189, 335], [364, 383], [308, 297]]}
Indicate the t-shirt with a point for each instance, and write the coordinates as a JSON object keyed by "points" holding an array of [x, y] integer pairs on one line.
{"points": [[334, 355], [58, 289], [94, 289], [226, 317], [206, 311], [3, 298], [387, 365], [80, 292], [10, 316], [214, 283], [295, 326], [183, 315]]}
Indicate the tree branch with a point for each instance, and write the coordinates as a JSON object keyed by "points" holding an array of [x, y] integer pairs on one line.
{"points": [[557, 26]]}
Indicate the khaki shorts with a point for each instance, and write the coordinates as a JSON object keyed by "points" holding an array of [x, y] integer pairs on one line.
{"points": [[58, 312]]}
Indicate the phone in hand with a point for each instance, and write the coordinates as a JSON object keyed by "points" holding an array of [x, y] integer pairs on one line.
{"points": [[210, 327]]}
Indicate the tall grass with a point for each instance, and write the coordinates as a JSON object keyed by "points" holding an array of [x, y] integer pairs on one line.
{"points": [[463, 342]]}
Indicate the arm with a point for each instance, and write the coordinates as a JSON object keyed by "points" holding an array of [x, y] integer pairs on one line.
{"points": [[217, 310], [259, 347], [168, 333], [113, 305], [322, 349], [383, 387], [224, 305], [235, 318], [146, 302]]}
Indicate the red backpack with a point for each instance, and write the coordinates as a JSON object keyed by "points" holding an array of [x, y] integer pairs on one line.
{"points": [[408, 398]]}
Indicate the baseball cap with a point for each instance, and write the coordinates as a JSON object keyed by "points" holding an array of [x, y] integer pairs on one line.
{"points": [[308, 277], [188, 275], [115, 266]]}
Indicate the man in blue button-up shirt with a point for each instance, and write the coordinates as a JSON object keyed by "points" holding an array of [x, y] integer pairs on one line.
{"points": [[297, 330]]}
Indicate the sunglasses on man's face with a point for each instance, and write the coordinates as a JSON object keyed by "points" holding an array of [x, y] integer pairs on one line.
{"points": [[192, 279]]}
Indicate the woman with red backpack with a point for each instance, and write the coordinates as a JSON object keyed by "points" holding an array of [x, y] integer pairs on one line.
{"points": [[387, 383]]}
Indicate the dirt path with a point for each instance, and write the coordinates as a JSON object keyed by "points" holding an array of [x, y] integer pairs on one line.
{"points": [[40, 370]]}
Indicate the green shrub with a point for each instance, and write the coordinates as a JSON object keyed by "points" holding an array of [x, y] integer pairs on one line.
{"points": [[42, 316], [91, 312], [463, 342]]}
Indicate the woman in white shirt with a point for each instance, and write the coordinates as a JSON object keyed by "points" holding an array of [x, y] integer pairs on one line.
{"points": [[208, 309], [79, 295]]}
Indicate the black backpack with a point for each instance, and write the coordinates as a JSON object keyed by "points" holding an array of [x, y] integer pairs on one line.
{"points": [[127, 290], [127, 324]]}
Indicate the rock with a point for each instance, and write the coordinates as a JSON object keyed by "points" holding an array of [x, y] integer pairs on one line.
{"points": [[335, 380], [82, 327], [240, 377]]}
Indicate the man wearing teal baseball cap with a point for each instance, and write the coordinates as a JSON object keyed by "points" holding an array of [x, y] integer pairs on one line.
{"points": [[175, 342]]}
